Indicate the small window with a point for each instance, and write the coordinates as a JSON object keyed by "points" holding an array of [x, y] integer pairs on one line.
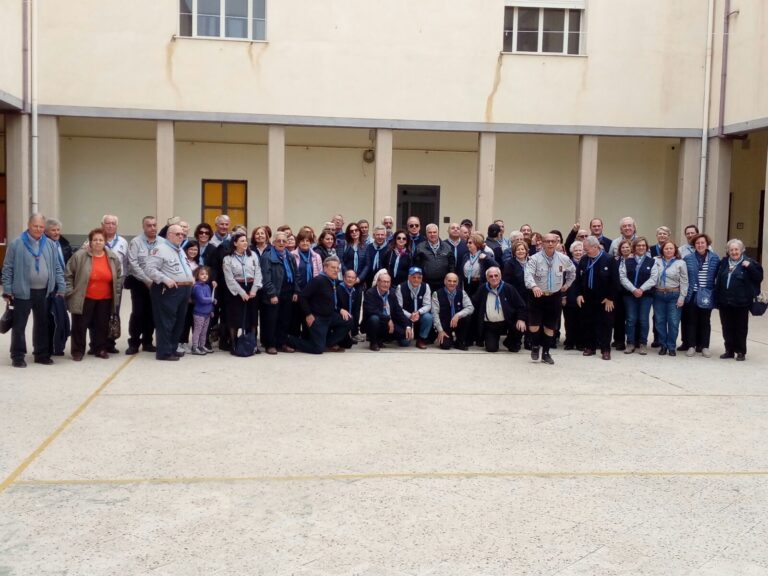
{"points": [[241, 19], [542, 30], [225, 197]]}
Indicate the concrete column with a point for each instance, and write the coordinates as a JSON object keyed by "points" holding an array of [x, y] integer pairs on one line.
{"points": [[276, 177], [49, 193], [687, 185], [718, 192], [587, 191], [166, 170], [17, 142], [486, 180], [764, 231], [382, 181]]}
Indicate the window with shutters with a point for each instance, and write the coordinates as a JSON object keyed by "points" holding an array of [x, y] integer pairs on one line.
{"points": [[225, 197]]}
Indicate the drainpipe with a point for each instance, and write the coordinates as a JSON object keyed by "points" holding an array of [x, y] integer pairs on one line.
{"points": [[25, 61], [705, 118], [35, 143], [724, 67]]}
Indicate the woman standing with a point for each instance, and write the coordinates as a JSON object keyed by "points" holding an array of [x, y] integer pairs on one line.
{"points": [[206, 251], [638, 276], [326, 244], [738, 282], [354, 255], [279, 292], [242, 273], [669, 297], [475, 264], [398, 261], [623, 252], [702, 270], [572, 313], [260, 240], [308, 265], [94, 284]]}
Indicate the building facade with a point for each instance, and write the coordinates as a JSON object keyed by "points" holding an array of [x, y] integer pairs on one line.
{"points": [[538, 111]]}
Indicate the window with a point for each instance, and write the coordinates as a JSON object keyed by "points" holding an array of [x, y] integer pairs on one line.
{"points": [[244, 19], [225, 197], [542, 30]]}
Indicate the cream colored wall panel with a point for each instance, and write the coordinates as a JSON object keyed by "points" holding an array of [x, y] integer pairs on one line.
{"points": [[106, 176], [431, 140], [108, 128], [637, 177], [319, 182], [11, 31], [536, 181], [747, 180], [334, 137], [221, 132], [197, 161], [454, 172], [429, 60]]}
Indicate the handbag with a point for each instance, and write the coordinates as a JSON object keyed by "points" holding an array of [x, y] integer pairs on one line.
{"points": [[705, 298], [245, 343], [759, 304], [113, 333], [6, 321]]}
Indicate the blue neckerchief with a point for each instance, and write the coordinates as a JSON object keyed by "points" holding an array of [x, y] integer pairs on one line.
{"points": [[200, 254], [307, 263], [664, 271], [241, 259], [111, 245], [452, 300], [287, 266], [356, 263], [434, 247], [384, 303], [591, 271], [333, 290], [731, 269], [415, 295], [496, 292], [59, 253], [550, 262], [181, 256], [351, 293], [455, 250], [397, 264], [376, 257], [637, 269], [28, 245]]}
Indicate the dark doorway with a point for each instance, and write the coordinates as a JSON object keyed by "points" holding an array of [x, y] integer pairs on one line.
{"points": [[760, 228], [418, 200]]}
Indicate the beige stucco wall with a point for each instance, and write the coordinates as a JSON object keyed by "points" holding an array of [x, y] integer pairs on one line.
{"points": [[431, 60], [748, 174], [102, 175], [11, 28]]}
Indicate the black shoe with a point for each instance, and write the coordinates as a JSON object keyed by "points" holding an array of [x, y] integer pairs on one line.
{"points": [[682, 348], [546, 358], [655, 344], [740, 357], [131, 350], [170, 358], [374, 347], [534, 353], [588, 352], [19, 363], [662, 351], [461, 346], [179, 354], [149, 348], [113, 350], [568, 347], [620, 347], [672, 353], [91, 352], [514, 349], [58, 354], [726, 355], [45, 361]]}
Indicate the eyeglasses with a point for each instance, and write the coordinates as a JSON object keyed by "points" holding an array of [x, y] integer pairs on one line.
{"points": [[401, 238], [203, 233], [353, 230], [550, 241], [414, 225]]}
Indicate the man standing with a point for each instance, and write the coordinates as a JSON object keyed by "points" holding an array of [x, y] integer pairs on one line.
{"points": [[31, 272], [365, 228], [457, 243], [383, 317], [59, 326], [596, 228], [389, 223], [415, 298], [168, 268], [548, 274], [222, 223], [500, 309], [598, 282], [414, 233], [628, 229], [435, 258], [141, 324], [328, 325], [506, 244], [691, 231], [452, 313], [375, 253], [119, 246]]}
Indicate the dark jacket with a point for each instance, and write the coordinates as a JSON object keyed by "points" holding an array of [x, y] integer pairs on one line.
{"points": [[349, 300], [692, 262], [373, 306], [605, 278], [348, 261], [319, 296], [459, 250], [514, 273], [273, 274], [435, 265], [744, 285], [495, 245], [403, 264], [485, 263], [374, 265], [512, 305]]}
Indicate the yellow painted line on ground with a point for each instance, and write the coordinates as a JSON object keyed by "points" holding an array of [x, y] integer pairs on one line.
{"points": [[63, 426], [396, 476]]}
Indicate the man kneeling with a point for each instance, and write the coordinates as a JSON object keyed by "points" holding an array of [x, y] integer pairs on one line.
{"points": [[500, 309], [452, 312], [383, 317]]}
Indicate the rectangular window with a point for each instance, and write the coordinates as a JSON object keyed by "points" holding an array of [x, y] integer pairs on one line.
{"points": [[532, 29], [241, 19], [225, 197]]}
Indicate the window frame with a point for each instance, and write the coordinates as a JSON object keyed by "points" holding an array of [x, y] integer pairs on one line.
{"points": [[223, 23], [541, 7], [224, 207]]}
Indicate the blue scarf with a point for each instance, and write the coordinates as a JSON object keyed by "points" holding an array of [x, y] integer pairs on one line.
{"points": [[28, 245], [637, 269], [732, 265], [307, 263], [550, 280], [591, 270], [287, 266], [59, 253], [384, 303], [356, 263], [182, 257], [664, 271], [376, 257], [452, 300], [351, 293], [333, 290], [496, 292], [111, 245]]}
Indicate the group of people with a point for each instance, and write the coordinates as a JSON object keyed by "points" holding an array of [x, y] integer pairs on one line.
{"points": [[328, 291]]}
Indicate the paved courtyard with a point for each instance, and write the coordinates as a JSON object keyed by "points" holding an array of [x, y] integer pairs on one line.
{"points": [[397, 463]]}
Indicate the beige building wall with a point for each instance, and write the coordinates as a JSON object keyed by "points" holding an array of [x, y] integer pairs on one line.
{"points": [[356, 58], [747, 180], [637, 177], [11, 30]]}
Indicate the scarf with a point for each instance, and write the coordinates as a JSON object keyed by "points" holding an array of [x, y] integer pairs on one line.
{"points": [[333, 290], [306, 259], [384, 303], [496, 292], [452, 300], [28, 245], [287, 266], [591, 270], [732, 265], [664, 271]]}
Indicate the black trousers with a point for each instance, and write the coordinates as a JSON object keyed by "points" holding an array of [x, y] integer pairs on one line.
{"points": [[698, 326], [37, 303], [598, 325], [458, 335], [170, 307], [377, 329], [492, 333], [95, 317], [574, 326], [326, 331], [735, 322], [276, 321], [141, 324]]}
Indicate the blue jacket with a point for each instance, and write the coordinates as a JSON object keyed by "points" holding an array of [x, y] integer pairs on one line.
{"points": [[15, 279], [693, 274]]}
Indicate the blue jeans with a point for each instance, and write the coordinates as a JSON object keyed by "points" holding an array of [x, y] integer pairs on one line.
{"points": [[425, 325], [667, 316], [638, 311]]}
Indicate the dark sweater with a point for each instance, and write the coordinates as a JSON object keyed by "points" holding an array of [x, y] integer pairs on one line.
{"points": [[319, 297]]}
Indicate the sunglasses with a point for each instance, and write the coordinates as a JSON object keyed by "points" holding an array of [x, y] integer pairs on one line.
{"points": [[401, 238], [203, 233], [414, 225]]}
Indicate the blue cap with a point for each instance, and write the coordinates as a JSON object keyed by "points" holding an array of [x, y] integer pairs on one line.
{"points": [[414, 270]]}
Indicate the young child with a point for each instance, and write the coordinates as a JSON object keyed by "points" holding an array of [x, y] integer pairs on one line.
{"points": [[202, 302]]}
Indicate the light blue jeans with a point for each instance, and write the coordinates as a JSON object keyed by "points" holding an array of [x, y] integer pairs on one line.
{"points": [[667, 316], [638, 311]]}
